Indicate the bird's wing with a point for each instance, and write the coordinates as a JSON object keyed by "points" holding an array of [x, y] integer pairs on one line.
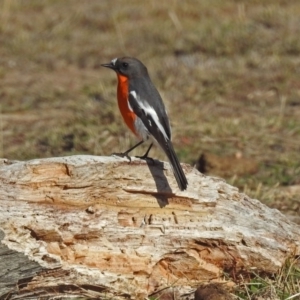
{"points": [[159, 131], [156, 123], [148, 105]]}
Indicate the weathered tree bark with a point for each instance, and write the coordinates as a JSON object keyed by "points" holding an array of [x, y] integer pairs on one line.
{"points": [[103, 226]]}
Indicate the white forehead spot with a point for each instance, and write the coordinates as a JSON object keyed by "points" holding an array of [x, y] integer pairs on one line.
{"points": [[113, 62]]}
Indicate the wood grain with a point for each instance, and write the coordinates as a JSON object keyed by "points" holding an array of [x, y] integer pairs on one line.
{"points": [[106, 226]]}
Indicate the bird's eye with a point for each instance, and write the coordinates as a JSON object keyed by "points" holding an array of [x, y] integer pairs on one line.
{"points": [[125, 65]]}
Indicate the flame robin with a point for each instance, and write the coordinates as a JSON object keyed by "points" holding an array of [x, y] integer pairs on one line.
{"points": [[143, 111]]}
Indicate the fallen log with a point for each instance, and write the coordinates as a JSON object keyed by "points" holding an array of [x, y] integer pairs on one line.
{"points": [[104, 226]]}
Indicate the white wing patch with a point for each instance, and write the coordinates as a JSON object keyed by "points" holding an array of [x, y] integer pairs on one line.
{"points": [[129, 106], [149, 110], [133, 93]]}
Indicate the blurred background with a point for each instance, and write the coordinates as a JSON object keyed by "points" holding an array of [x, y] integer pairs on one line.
{"points": [[228, 71]]}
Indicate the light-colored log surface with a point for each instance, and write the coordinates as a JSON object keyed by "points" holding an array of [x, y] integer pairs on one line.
{"points": [[127, 229]]}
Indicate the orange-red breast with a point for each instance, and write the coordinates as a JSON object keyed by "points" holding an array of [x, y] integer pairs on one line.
{"points": [[143, 110]]}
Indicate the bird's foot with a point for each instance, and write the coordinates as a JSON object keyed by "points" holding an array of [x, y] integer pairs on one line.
{"points": [[146, 158], [124, 154]]}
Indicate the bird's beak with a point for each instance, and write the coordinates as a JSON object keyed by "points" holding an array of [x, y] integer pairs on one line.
{"points": [[109, 65]]}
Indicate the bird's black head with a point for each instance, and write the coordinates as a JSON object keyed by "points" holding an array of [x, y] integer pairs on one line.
{"points": [[127, 66]]}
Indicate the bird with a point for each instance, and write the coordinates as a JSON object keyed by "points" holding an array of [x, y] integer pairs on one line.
{"points": [[144, 112]]}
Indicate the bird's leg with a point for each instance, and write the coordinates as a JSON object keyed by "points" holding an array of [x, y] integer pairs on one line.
{"points": [[145, 156], [125, 154]]}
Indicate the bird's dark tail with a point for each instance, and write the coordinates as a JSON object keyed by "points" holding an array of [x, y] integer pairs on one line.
{"points": [[177, 169]]}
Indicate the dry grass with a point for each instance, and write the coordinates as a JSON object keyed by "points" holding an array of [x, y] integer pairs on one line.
{"points": [[228, 71], [284, 285]]}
